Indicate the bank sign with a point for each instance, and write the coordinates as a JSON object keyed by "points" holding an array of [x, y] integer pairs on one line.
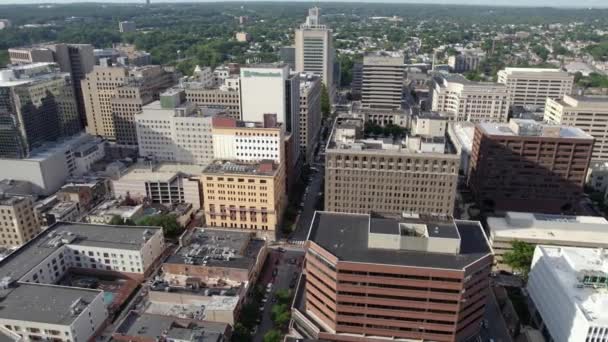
{"points": [[248, 74]]}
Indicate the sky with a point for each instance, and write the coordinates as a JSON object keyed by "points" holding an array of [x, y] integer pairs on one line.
{"points": [[552, 3]]}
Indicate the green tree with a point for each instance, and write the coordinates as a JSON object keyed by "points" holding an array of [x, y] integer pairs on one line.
{"points": [[169, 223], [272, 336], [520, 257], [325, 105], [241, 333], [116, 220]]}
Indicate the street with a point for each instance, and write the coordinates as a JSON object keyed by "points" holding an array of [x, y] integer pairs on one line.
{"points": [[497, 328]]}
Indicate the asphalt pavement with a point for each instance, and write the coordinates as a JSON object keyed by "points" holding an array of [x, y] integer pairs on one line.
{"points": [[496, 329]]}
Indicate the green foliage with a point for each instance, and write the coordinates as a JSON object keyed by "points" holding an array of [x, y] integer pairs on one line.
{"points": [[325, 105], [474, 75], [559, 49], [594, 80], [273, 336], [283, 296], [281, 315], [541, 51], [4, 60], [372, 128], [598, 51], [168, 222], [520, 257], [241, 333], [347, 63], [116, 220]]}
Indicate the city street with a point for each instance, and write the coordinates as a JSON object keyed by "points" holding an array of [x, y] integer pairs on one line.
{"points": [[497, 328]]}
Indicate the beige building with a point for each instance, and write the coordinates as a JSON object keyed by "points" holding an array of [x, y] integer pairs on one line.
{"points": [[18, 223], [462, 100], [532, 86], [310, 114], [587, 113], [383, 78], [243, 37], [31, 54], [416, 175], [107, 110], [244, 195], [202, 95]]}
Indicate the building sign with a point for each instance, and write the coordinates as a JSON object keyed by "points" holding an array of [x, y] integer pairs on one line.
{"points": [[247, 74]]}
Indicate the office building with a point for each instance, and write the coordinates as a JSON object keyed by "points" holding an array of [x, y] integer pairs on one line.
{"points": [[248, 141], [597, 176], [567, 285], [127, 26], [381, 116], [466, 60], [167, 184], [202, 92], [175, 130], [314, 49], [243, 37], [4, 24], [462, 100], [39, 106], [287, 55], [244, 195], [30, 55], [588, 113], [382, 82], [542, 229], [51, 210], [418, 174], [371, 278], [260, 80], [18, 223], [110, 110], [35, 308], [310, 114], [461, 134], [528, 166], [48, 167], [357, 82], [530, 87]]}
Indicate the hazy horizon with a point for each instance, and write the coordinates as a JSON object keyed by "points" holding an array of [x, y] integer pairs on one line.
{"points": [[510, 3]]}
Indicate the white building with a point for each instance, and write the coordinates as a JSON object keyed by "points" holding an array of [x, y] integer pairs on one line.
{"points": [[175, 131], [461, 135], [597, 176], [462, 100], [568, 288], [34, 308], [532, 86], [383, 78], [542, 229], [204, 76]]}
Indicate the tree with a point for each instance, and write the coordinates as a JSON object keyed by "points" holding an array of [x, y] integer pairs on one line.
{"points": [[272, 336], [325, 105], [169, 223], [520, 257], [116, 220], [241, 333]]}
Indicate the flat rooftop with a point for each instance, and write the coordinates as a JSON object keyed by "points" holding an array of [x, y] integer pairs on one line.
{"points": [[219, 248], [263, 168], [346, 237], [569, 266], [457, 78], [10, 200], [153, 326], [560, 229], [531, 128]]}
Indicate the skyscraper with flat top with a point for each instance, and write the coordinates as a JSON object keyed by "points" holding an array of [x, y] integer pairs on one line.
{"points": [[314, 48]]}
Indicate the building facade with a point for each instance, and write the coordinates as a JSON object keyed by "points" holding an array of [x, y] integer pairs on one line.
{"points": [[382, 82], [466, 60], [203, 95], [527, 166], [127, 26], [310, 115], [18, 223], [462, 100], [532, 86], [371, 279], [587, 113], [416, 175]]}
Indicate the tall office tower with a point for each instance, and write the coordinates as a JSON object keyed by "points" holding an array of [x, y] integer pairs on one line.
{"points": [[77, 59], [203, 93], [261, 207], [462, 100], [466, 60], [357, 82], [382, 85], [370, 278], [175, 130], [310, 114], [528, 166], [271, 89], [37, 105], [127, 102], [416, 175], [103, 101], [589, 113], [127, 26], [287, 55], [531, 87], [314, 49], [577, 276], [18, 224]]}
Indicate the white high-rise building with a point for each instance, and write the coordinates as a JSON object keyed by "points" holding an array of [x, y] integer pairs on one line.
{"points": [[532, 86], [568, 288], [382, 86], [314, 48]]}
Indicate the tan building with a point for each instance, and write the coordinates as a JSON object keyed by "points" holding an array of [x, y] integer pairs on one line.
{"points": [[227, 97], [532, 86], [243, 37], [18, 223], [587, 113], [416, 175], [31, 54], [126, 104], [462, 100], [244, 195], [310, 114], [100, 90]]}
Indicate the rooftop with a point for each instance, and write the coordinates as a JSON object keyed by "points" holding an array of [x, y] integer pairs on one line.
{"points": [[219, 248], [531, 128], [582, 275], [262, 168], [533, 70], [161, 172], [11, 200], [460, 79], [154, 326], [560, 229], [600, 102], [347, 236]]}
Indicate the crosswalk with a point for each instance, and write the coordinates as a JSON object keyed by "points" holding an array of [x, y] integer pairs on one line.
{"points": [[296, 242]]}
